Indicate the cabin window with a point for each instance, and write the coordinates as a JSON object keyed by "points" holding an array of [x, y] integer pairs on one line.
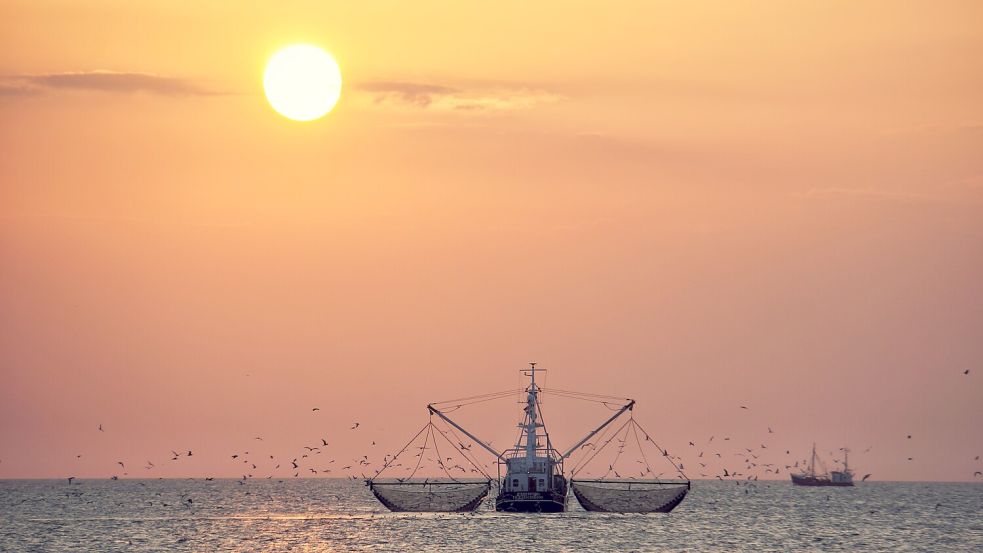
{"points": [[515, 483], [541, 484]]}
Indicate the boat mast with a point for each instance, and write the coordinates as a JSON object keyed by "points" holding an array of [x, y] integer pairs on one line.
{"points": [[846, 459], [531, 414], [812, 462]]}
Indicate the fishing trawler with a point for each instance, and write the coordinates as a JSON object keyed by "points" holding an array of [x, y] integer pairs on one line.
{"points": [[835, 478], [535, 480]]}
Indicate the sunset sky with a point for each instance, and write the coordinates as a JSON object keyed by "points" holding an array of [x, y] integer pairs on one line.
{"points": [[700, 205]]}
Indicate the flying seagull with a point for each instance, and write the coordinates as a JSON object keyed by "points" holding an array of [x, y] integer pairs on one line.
{"points": [[315, 409], [100, 428], [866, 476], [355, 426]]}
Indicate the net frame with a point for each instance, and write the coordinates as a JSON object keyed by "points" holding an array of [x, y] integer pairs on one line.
{"points": [[433, 497], [648, 496], [430, 495], [628, 495]]}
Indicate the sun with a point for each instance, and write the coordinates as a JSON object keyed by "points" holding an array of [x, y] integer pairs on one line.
{"points": [[302, 82]]}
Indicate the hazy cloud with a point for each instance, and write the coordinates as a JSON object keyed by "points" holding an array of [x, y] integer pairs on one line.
{"points": [[868, 193], [101, 80], [408, 93], [16, 89], [446, 98]]}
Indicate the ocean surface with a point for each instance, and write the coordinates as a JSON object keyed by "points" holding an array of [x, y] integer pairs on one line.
{"points": [[337, 515]]}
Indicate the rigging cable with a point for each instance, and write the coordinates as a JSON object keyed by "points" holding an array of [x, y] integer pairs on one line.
{"points": [[665, 452], [594, 453], [641, 451], [586, 394], [593, 449], [621, 449], [475, 399], [463, 454], [408, 444], [440, 458], [422, 449]]}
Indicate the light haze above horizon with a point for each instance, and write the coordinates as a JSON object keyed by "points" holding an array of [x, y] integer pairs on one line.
{"points": [[698, 205]]}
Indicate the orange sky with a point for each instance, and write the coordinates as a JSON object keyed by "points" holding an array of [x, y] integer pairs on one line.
{"points": [[697, 204]]}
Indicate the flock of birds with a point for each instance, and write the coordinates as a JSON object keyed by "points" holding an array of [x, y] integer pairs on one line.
{"points": [[301, 463], [722, 460], [752, 462], [716, 459]]}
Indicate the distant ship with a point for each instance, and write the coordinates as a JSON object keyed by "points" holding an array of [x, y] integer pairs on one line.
{"points": [[835, 478]]}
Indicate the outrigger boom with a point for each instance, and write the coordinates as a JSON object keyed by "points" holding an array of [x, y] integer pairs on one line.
{"points": [[628, 407], [489, 448]]}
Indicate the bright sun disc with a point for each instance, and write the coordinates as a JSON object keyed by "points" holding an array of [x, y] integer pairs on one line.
{"points": [[302, 82]]}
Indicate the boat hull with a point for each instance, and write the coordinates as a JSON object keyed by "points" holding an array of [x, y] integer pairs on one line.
{"points": [[804, 480], [530, 502]]}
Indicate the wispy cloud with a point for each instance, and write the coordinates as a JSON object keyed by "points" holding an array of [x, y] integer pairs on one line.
{"points": [[103, 81], [400, 94], [421, 95], [868, 193], [13, 88]]}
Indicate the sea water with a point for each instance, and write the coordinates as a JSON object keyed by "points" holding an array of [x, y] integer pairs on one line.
{"points": [[315, 515]]}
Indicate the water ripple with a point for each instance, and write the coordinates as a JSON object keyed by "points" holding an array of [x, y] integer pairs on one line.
{"points": [[338, 515]]}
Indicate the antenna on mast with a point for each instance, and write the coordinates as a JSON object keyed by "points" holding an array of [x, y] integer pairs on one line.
{"points": [[531, 373]]}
